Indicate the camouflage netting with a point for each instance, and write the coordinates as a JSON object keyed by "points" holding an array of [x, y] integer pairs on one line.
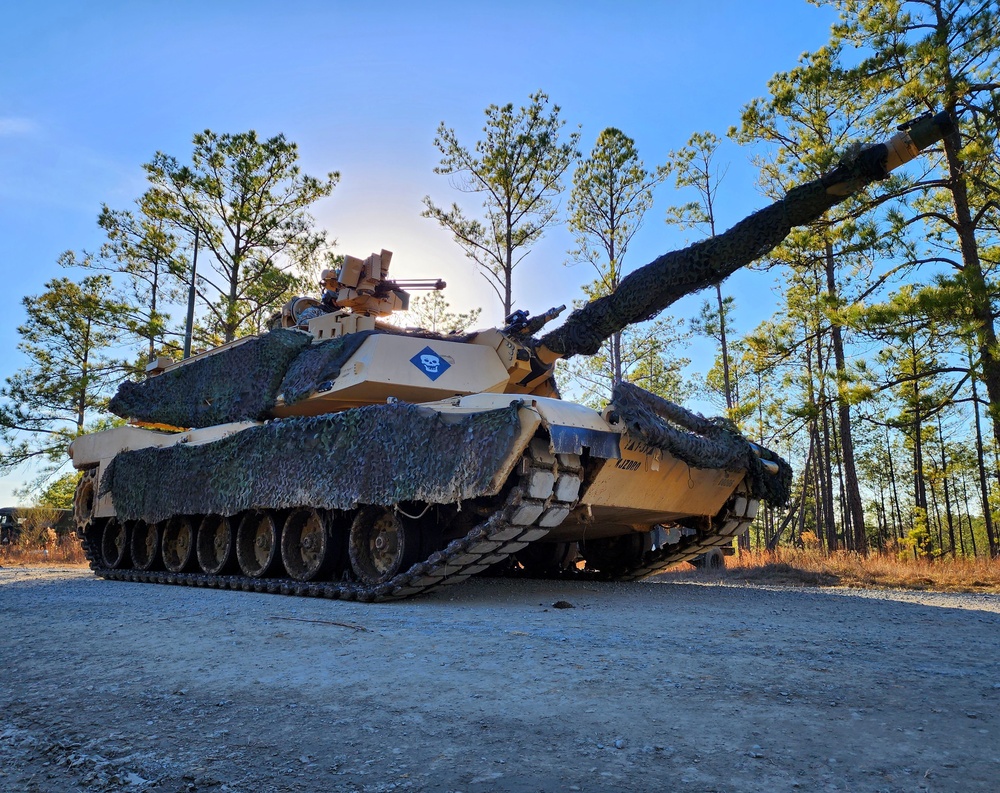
{"points": [[382, 454], [242, 383], [647, 291], [239, 384], [699, 442], [319, 365]]}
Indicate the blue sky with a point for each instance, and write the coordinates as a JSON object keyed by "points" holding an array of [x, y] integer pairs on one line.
{"points": [[91, 90]]}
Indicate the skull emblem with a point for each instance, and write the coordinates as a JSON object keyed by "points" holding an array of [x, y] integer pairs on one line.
{"points": [[430, 363]]}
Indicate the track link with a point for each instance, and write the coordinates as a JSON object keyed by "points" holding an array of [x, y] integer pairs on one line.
{"points": [[545, 492]]}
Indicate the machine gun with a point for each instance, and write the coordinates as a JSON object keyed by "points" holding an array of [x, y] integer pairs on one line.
{"points": [[361, 285], [364, 286]]}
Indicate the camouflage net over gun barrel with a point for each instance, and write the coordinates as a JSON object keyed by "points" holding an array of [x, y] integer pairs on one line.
{"points": [[646, 292]]}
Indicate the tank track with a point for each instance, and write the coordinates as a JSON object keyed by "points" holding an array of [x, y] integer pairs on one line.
{"points": [[734, 518], [545, 492]]}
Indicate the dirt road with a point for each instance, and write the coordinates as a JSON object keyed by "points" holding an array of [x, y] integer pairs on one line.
{"points": [[647, 687]]}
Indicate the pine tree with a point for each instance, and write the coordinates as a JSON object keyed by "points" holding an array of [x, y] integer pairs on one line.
{"points": [[694, 167], [517, 168], [811, 116], [612, 191], [248, 201], [432, 312], [68, 337], [922, 55], [144, 251]]}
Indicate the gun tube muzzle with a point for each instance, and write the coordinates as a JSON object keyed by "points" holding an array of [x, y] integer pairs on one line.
{"points": [[877, 161], [914, 138]]}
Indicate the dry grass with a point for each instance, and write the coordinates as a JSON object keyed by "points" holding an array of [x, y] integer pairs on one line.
{"points": [[66, 552], [790, 567], [785, 567]]}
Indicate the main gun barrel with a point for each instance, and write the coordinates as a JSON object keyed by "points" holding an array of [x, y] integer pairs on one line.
{"points": [[647, 291]]}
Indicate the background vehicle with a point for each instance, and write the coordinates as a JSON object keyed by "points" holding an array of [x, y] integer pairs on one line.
{"points": [[15, 520], [10, 526]]}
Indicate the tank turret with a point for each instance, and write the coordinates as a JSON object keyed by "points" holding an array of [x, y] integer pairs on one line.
{"points": [[340, 455]]}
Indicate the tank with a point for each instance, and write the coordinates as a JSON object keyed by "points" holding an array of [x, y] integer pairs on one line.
{"points": [[340, 456]]}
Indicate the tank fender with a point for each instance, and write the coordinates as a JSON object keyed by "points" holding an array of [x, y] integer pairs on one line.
{"points": [[100, 447], [571, 427], [568, 439], [97, 449]]}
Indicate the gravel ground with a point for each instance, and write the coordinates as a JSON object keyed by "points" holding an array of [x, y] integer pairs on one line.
{"points": [[654, 686]]}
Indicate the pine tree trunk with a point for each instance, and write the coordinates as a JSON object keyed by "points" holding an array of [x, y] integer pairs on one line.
{"points": [[818, 510], [855, 507], [980, 295], [958, 519], [919, 487], [82, 396], [883, 520], [968, 517], [897, 512], [616, 358], [725, 347], [947, 497], [937, 519], [845, 519], [984, 492], [826, 470]]}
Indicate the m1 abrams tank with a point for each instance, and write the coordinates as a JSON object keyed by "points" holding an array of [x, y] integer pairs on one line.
{"points": [[341, 456]]}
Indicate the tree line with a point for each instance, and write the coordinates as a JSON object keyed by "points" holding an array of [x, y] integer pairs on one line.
{"points": [[878, 375], [886, 345]]}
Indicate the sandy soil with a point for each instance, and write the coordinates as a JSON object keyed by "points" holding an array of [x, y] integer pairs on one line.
{"points": [[647, 687]]}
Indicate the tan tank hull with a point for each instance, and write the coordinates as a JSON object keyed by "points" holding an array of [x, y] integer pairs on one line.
{"points": [[631, 489], [568, 481]]}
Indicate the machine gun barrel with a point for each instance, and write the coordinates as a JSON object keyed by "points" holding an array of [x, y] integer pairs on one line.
{"points": [[417, 284], [646, 292]]}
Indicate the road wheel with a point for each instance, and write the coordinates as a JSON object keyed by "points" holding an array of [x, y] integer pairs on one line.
{"points": [[306, 544], [114, 544], [85, 498], [714, 559], [382, 544], [177, 544], [257, 548], [145, 545], [215, 544]]}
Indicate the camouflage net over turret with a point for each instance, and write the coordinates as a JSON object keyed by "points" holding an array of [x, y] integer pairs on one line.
{"points": [[319, 365], [243, 382], [699, 442], [237, 384], [333, 461]]}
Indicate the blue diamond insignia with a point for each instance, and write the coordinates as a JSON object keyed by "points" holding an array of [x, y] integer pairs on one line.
{"points": [[430, 363]]}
